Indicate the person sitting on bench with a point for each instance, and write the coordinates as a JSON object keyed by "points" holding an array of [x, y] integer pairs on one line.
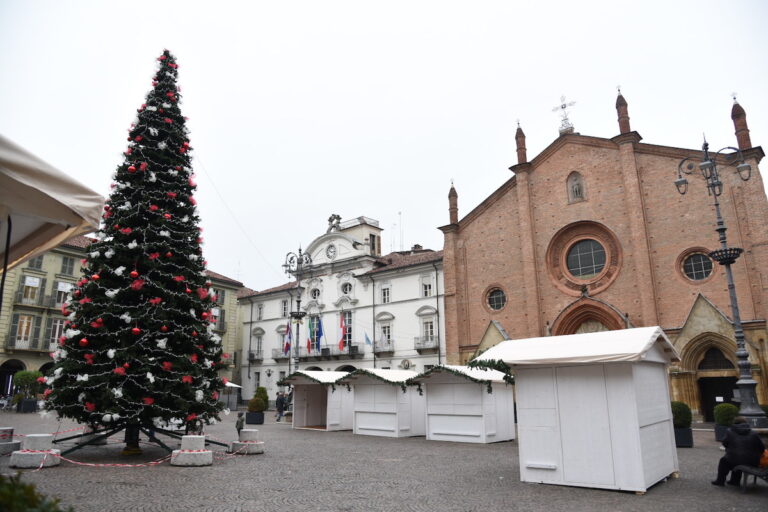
{"points": [[742, 447]]}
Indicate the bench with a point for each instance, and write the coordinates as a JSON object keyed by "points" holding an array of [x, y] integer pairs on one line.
{"points": [[754, 472]]}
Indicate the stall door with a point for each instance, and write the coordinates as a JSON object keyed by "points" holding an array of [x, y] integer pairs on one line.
{"points": [[584, 427]]}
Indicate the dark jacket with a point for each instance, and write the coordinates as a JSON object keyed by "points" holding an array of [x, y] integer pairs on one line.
{"points": [[742, 446], [280, 404]]}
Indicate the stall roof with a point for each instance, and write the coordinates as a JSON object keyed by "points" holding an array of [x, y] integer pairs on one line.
{"points": [[313, 377], [481, 375], [624, 345], [400, 377], [46, 205]]}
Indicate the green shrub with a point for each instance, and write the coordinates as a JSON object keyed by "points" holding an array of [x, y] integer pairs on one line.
{"points": [[681, 415], [261, 392], [724, 414], [256, 404], [16, 496], [26, 381]]}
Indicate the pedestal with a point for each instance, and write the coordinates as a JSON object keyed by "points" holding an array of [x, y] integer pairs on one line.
{"points": [[7, 443], [37, 452], [192, 453], [248, 444]]}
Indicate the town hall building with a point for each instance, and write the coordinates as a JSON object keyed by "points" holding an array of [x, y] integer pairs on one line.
{"points": [[592, 235]]}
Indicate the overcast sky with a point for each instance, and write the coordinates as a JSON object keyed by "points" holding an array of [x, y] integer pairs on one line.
{"points": [[301, 109]]}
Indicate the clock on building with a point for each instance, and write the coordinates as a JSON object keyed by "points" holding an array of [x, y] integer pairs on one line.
{"points": [[330, 251]]}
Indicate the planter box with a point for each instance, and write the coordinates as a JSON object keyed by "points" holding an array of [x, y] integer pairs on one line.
{"points": [[684, 437], [720, 432], [27, 405], [254, 418]]}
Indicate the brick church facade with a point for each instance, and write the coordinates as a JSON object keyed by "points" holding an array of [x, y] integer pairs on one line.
{"points": [[591, 234]]}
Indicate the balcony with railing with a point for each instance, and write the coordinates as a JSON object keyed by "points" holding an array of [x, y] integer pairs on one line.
{"points": [[425, 343], [37, 300], [384, 346], [21, 343], [255, 355], [279, 355]]}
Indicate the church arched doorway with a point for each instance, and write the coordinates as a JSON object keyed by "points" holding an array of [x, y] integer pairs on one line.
{"points": [[716, 381], [587, 315]]}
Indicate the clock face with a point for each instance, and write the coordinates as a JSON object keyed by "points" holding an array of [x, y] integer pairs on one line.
{"points": [[330, 251]]}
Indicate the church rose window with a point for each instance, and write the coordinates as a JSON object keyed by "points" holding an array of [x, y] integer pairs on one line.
{"points": [[697, 267], [496, 299], [586, 259]]}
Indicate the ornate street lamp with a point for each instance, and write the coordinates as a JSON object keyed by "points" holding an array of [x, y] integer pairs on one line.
{"points": [[726, 256], [296, 264]]}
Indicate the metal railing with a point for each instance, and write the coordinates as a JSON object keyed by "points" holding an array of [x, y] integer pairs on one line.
{"points": [[425, 342], [255, 355], [21, 342], [380, 346], [36, 301]]}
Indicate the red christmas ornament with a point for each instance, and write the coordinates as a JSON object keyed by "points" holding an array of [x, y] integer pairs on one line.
{"points": [[182, 150], [194, 334], [168, 120], [188, 290], [136, 331], [134, 274], [148, 400], [96, 325], [95, 277], [131, 168], [116, 226], [199, 346], [186, 144], [191, 182], [162, 57], [41, 380], [187, 379], [202, 293], [178, 279], [119, 371], [126, 365], [155, 301], [199, 239], [88, 358], [169, 254], [215, 395], [47, 392], [178, 167], [169, 94], [138, 138], [167, 366], [90, 406], [143, 166], [138, 284], [192, 201], [154, 255], [193, 358], [225, 355], [62, 341], [224, 380], [85, 300], [172, 195], [204, 315], [192, 417], [164, 328], [126, 231], [128, 151], [167, 216], [160, 110], [153, 207]]}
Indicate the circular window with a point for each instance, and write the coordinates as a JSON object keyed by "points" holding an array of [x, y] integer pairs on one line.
{"points": [[346, 288], [496, 299], [697, 266], [586, 259], [315, 293]]}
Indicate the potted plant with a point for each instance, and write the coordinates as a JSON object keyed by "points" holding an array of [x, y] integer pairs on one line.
{"points": [[26, 381], [681, 419], [724, 415], [256, 407]]}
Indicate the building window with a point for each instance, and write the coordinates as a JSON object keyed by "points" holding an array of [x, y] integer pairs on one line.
{"points": [[315, 332], [57, 330], [36, 262], [68, 265], [386, 293], [24, 330], [220, 295], [586, 259], [426, 289], [315, 293], [282, 375], [697, 266], [257, 378], [428, 330], [217, 319], [259, 343], [260, 312], [30, 291], [374, 244], [284, 311], [386, 333], [347, 327], [346, 288], [496, 299], [62, 290]]}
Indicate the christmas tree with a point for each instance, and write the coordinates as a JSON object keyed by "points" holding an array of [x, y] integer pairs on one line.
{"points": [[139, 349]]}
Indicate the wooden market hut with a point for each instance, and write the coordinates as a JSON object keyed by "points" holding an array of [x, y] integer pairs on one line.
{"points": [[318, 403]]}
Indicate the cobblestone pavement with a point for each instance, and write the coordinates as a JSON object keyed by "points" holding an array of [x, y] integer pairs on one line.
{"points": [[339, 471]]}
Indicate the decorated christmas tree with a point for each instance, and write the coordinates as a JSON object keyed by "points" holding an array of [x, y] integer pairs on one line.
{"points": [[138, 348]]}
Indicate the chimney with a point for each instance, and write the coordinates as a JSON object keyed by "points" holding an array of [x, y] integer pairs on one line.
{"points": [[453, 205], [622, 111], [740, 125], [520, 141]]}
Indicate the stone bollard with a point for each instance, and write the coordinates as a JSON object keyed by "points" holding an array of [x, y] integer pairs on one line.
{"points": [[37, 452], [7, 443], [248, 444], [192, 453]]}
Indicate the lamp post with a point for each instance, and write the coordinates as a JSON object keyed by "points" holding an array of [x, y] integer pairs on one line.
{"points": [[295, 264], [726, 256]]}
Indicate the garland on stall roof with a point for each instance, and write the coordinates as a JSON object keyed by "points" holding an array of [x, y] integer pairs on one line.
{"points": [[496, 364], [362, 371]]}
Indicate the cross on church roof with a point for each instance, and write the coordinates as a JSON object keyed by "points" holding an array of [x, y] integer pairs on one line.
{"points": [[565, 124]]}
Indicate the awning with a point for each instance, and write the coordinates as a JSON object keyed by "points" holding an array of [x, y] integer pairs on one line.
{"points": [[596, 347], [480, 375], [46, 206]]}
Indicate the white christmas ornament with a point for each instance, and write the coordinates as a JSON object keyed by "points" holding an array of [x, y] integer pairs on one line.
{"points": [[199, 395], [161, 343], [125, 206], [152, 177], [162, 145], [109, 253], [119, 271], [153, 132], [151, 108], [81, 397], [57, 372], [166, 105], [111, 293], [111, 353], [150, 378], [133, 244], [126, 318], [165, 233], [118, 392], [71, 333]]}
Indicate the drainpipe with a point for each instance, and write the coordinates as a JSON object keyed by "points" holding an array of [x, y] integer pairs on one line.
{"points": [[250, 339], [373, 318], [437, 307]]}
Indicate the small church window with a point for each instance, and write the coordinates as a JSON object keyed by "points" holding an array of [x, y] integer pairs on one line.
{"points": [[496, 299], [714, 359], [586, 259], [697, 266], [575, 184]]}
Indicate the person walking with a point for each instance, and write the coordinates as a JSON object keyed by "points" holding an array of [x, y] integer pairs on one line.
{"points": [[240, 423], [280, 405], [742, 447]]}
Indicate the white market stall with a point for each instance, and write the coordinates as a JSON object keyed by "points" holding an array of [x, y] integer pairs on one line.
{"points": [[318, 403], [384, 405], [468, 405], [593, 409]]}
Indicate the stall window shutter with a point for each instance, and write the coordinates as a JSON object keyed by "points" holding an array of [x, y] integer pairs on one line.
{"points": [[14, 330], [36, 334], [48, 327]]}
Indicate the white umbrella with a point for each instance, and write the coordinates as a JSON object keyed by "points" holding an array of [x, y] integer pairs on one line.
{"points": [[40, 205]]}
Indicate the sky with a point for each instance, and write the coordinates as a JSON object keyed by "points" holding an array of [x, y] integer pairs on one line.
{"points": [[301, 109]]}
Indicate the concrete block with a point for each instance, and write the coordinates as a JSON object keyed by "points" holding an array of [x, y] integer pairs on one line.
{"points": [[38, 442], [193, 442], [249, 434], [248, 448], [33, 460], [6, 434], [182, 458], [9, 446]]}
